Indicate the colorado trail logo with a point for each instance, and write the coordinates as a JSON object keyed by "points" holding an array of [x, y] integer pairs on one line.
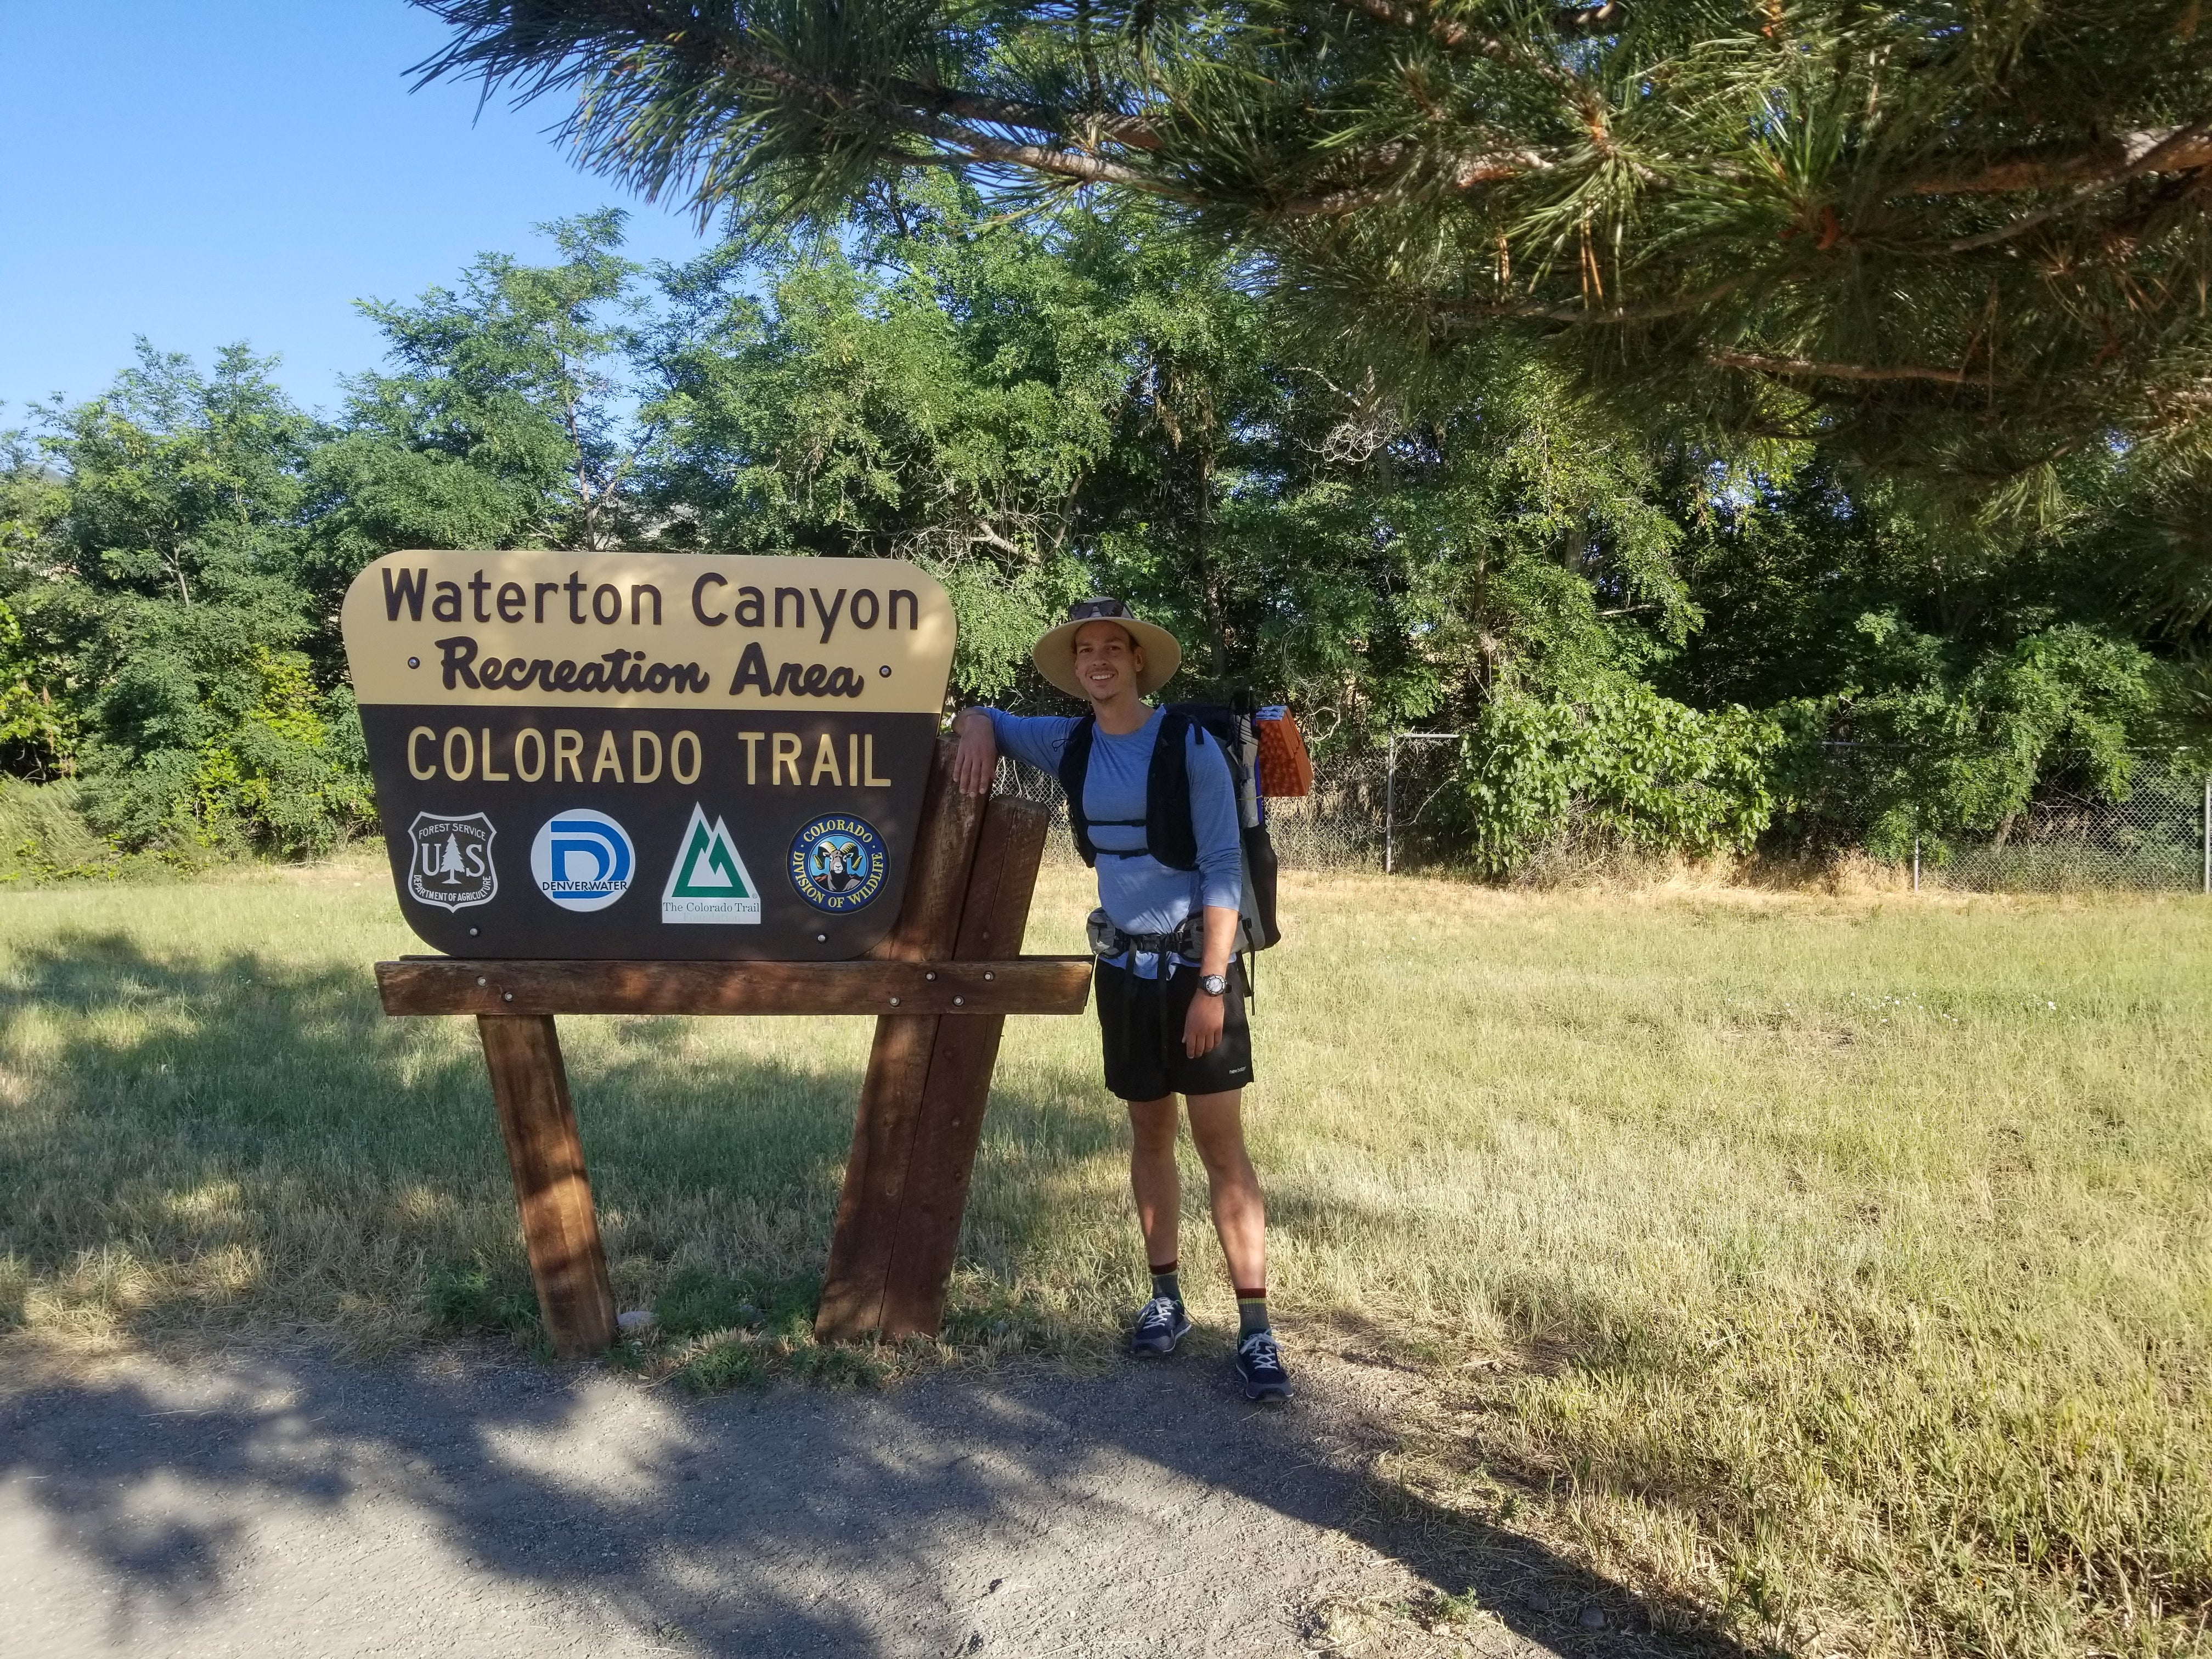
{"points": [[451, 864], [837, 862], [582, 861], [709, 882]]}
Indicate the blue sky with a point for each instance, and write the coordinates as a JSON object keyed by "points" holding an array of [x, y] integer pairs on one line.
{"points": [[206, 170]]}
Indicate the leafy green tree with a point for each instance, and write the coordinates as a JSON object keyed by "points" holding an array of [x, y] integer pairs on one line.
{"points": [[38, 723], [1932, 682], [504, 419], [947, 410], [165, 594], [1080, 401]]}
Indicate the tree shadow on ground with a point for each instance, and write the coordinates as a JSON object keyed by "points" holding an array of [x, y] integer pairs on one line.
{"points": [[1003, 1510]]}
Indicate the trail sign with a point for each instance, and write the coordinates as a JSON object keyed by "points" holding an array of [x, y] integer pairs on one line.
{"points": [[648, 756]]}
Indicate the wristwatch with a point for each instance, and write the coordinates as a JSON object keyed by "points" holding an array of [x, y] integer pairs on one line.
{"points": [[1213, 984]]}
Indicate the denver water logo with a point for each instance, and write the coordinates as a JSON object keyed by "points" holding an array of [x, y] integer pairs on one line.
{"points": [[709, 882], [582, 861]]}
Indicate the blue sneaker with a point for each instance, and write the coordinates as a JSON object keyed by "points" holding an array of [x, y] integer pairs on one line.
{"points": [[1160, 1326], [1260, 1364]]}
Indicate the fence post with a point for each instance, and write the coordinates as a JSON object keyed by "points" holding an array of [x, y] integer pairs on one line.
{"points": [[1390, 811], [1916, 864]]}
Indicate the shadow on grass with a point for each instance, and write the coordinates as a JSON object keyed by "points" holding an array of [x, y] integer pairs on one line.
{"points": [[182, 1106]]}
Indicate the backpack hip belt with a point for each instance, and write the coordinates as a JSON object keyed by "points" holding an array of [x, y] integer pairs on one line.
{"points": [[1108, 940]]}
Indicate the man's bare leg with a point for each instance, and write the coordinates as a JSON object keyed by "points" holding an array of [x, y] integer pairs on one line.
{"points": [[1240, 1212], [1152, 1178]]}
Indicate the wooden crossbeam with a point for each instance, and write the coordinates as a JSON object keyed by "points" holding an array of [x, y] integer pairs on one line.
{"points": [[1015, 985]]}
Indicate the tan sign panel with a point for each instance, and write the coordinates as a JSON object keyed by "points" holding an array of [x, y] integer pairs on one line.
{"points": [[647, 630], [648, 756]]}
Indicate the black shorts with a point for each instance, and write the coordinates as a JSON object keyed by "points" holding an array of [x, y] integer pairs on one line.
{"points": [[1141, 1021]]}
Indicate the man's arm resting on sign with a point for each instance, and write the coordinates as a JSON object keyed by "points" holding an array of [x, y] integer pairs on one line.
{"points": [[985, 733], [976, 762], [1201, 1027]]}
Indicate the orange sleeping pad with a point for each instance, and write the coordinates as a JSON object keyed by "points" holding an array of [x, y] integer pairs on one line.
{"points": [[1285, 769]]}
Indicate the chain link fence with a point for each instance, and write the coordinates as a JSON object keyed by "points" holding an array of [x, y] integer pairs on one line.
{"points": [[1396, 808], [2158, 836]]}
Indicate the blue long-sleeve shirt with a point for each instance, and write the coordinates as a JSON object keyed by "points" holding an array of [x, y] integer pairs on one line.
{"points": [[1140, 894]]}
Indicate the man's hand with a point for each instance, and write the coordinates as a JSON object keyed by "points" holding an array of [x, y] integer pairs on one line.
{"points": [[976, 762], [1201, 1026]]}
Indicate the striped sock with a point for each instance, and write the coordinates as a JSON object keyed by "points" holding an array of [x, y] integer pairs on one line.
{"points": [[1166, 1283], [1251, 1311]]}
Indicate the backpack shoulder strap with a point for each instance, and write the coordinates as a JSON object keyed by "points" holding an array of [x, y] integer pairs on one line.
{"points": [[1074, 772], [1170, 834]]}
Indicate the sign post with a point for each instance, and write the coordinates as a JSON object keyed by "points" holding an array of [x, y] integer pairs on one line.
{"points": [[632, 783]]}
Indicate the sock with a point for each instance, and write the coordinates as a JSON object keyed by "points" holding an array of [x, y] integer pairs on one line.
{"points": [[1165, 1283], [1251, 1311]]}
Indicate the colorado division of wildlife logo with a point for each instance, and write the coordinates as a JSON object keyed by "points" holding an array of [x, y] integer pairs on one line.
{"points": [[452, 867], [837, 862], [582, 861], [709, 882]]}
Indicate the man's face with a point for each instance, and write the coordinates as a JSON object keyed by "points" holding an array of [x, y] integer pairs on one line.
{"points": [[1107, 660]]}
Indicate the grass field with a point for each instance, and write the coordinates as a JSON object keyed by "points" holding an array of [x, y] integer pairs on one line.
{"points": [[1837, 1273]]}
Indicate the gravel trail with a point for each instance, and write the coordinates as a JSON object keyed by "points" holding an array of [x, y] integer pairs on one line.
{"points": [[256, 1504]]}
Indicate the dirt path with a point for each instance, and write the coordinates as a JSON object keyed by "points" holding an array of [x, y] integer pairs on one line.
{"points": [[301, 1507]]}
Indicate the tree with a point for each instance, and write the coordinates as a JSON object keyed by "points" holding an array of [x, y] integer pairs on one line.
{"points": [[1961, 238], [504, 420], [940, 396], [160, 591], [38, 724], [1078, 402]]}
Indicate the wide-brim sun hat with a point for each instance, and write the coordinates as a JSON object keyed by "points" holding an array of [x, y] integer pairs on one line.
{"points": [[1054, 653]]}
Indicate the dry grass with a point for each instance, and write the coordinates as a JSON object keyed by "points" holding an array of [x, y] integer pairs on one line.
{"points": [[1832, 1269]]}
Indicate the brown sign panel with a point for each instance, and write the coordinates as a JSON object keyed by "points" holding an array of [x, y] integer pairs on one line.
{"points": [[648, 756]]}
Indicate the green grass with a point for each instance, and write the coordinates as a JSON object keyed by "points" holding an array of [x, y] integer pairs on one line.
{"points": [[1837, 1272]]}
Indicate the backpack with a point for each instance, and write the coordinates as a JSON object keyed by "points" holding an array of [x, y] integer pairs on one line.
{"points": [[1169, 835]]}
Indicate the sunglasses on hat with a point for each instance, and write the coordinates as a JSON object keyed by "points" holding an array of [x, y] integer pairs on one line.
{"points": [[1097, 609]]}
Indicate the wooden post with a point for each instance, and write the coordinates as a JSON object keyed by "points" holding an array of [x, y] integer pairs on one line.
{"points": [[949, 1126], [530, 1086], [898, 1065]]}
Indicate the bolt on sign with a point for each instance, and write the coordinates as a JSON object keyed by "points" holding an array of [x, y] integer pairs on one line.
{"points": [[648, 756]]}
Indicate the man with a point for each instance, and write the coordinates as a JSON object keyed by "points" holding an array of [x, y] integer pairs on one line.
{"points": [[1171, 995]]}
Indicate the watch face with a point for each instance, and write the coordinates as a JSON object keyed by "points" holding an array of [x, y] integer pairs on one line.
{"points": [[1213, 984]]}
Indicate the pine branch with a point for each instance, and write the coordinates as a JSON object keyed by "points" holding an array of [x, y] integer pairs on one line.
{"points": [[1612, 315], [1451, 36], [1455, 36], [1465, 173], [1800, 369], [1882, 184], [2155, 151], [2186, 141], [1081, 166]]}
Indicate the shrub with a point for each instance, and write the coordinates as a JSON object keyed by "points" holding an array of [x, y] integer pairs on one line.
{"points": [[1623, 764], [289, 775]]}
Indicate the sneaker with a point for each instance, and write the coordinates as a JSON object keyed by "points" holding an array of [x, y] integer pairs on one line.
{"points": [[1260, 1364], [1160, 1326]]}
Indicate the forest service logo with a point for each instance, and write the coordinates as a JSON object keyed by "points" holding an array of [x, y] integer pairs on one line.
{"points": [[709, 882], [582, 861], [452, 865], [837, 862]]}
